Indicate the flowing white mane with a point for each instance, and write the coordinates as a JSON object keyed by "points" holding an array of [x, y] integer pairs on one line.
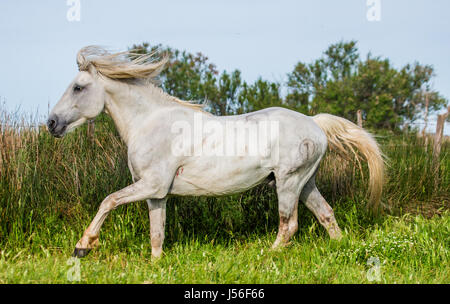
{"points": [[119, 66]]}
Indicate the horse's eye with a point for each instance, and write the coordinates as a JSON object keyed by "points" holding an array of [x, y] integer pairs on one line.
{"points": [[77, 88]]}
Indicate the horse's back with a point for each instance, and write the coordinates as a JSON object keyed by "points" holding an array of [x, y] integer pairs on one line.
{"points": [[293, 126]]}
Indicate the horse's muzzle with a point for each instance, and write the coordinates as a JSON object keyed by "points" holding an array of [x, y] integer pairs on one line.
{"points": [[56, 126]]}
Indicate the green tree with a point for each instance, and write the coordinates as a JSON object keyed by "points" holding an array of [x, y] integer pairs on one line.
{"points": [[193, 77], [340, 83], [260, 95]]}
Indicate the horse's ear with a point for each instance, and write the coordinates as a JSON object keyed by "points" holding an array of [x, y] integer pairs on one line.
{"points": [[82, 62], [85, 65]]}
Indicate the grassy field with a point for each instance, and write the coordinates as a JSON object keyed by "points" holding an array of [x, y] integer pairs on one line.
{"points": [[50, 190], [409, 250]]}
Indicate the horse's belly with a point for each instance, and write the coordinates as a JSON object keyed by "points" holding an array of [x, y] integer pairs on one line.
{"points": [[218, 178]]}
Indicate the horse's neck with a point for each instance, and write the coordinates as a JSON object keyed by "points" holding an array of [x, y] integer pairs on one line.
{"points": [[129, 107]]}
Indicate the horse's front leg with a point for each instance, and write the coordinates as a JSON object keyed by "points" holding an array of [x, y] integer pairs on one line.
{"points": [[140, 190], [157, 214]]}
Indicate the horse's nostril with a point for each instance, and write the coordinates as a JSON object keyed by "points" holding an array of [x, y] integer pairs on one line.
{"points": [[51, 123]]}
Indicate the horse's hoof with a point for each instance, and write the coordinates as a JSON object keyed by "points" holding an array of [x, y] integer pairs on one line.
{"points": [[80, 252]]}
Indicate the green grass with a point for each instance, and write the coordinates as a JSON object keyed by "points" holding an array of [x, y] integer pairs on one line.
{"points": [[50, 190], [410, 250]]}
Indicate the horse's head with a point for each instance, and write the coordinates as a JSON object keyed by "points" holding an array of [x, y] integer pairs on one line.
{"points": [[85, 97], [83, 100]]}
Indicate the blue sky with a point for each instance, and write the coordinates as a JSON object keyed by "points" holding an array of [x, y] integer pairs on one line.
{"points": [[261, 38]]}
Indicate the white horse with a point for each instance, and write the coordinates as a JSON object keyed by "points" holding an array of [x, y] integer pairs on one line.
{"points": [[285, 150]]}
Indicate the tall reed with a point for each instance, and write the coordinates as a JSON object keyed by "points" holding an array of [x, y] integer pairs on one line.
{"points": [[50, 185]]}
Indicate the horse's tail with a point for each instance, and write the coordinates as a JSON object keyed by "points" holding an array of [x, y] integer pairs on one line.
{"points": [[344, 137]]}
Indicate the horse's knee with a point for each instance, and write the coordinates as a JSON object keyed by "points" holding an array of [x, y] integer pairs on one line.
{"points": [[109, 203]]}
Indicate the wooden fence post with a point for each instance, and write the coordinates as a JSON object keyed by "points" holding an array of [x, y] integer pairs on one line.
{"points": [[425, 116], [425, 119], [438, 136], [359, 118]]}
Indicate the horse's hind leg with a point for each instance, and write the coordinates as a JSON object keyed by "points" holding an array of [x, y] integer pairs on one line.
{"points": [[315, 202], [287, 228], [157, 214], [288, 192]]}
